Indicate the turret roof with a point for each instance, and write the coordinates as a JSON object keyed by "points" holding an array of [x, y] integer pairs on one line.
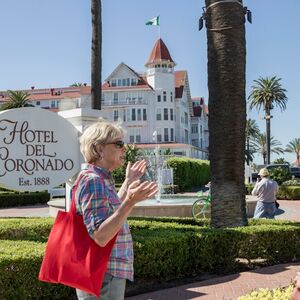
{"points": [[159, 53]]}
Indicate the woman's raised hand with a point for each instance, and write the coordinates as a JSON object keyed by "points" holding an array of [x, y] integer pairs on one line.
{"points": [[138, 191], [135, 171]]}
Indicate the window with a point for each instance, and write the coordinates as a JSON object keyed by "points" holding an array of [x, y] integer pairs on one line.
{"points": [[186, 136], [158, 136], [139, 114], [165, 114], [38, 102], [158, 114], [158, 98], [165, 96], [144, 114], [116, 115], [131, 138], [119, 82], [113, 82], [186, 118], [123, 82], [171, 96], [195, 142], [171, 114], [138, 135], [133, 81], [133, 114], [116, 97], [194, 128], [172, 134], [128, 115], [166, 134], [54, 103], [124, 115]]}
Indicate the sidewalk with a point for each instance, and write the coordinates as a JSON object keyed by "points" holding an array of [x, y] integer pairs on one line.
{"points": [[228, 287]]}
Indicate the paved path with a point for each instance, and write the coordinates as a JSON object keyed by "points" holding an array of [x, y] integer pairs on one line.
{"points": [[227, 287], [25, 211], [222, 288]]}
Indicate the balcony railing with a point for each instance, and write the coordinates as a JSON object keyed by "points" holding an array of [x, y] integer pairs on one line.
{"points": [[137, 101]]}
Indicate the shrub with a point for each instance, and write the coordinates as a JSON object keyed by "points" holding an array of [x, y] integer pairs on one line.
{"points": [[17, 199], [189, 173], [280, 175], [170, 189], [249, 187], [288, 192], [165, 248], [292, 182], [276, 294], [19, 264]]}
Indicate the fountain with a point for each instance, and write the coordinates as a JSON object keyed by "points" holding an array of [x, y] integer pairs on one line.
{"points": [[174, 205], [157, 170]]}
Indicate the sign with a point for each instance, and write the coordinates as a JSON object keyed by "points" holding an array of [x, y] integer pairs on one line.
{"points": [[39, 149]]}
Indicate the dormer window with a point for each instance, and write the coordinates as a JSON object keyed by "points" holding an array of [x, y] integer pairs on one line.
{"points": [[133, 81], [124, 82]]}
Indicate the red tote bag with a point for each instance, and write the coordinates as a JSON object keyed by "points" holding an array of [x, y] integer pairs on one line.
{"points": [[72, 258]]}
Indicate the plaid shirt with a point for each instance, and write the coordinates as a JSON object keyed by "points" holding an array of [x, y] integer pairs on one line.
{"points": [[96, 199]]}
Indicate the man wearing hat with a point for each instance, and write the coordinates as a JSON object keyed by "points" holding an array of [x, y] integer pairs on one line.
{"points": [[265, 190]]}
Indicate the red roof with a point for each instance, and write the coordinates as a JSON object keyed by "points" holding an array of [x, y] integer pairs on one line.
{"points": [[159, 53], [179, 83], [53, 93]]}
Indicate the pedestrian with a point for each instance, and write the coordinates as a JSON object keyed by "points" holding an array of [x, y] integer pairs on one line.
{"points": [[105, 210], [265, 189]]}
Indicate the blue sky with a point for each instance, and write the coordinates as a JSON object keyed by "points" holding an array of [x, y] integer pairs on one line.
{"points": [[47, 44]]}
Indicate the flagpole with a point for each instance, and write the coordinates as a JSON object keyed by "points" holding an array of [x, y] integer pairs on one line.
{"points": [[159, 27]]}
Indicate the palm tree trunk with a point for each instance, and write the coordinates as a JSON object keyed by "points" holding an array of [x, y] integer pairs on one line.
{"points": [[248, 151], [265, 158], [96, 54], [227, 111], [268, 133]]}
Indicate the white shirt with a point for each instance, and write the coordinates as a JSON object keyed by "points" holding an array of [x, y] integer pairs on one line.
{"points": [[265, 190]]}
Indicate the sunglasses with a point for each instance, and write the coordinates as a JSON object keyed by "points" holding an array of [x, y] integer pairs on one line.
{"points": [[119, 144]]}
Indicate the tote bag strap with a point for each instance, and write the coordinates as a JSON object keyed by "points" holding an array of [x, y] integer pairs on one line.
{"points": [[73, 205]]}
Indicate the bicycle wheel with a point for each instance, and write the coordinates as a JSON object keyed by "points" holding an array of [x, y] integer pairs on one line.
{"points": [[199, 208]]}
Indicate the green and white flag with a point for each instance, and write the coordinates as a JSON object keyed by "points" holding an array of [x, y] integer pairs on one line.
{"points": [[153, 22]]}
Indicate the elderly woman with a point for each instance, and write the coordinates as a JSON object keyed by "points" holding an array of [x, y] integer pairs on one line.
{"points": [[104, 210]]}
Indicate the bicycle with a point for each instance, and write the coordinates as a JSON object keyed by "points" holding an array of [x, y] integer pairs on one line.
{"points": [[199, 208]]}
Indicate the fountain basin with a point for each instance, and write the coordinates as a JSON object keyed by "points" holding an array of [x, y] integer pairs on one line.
{"points": [[174, 206]]}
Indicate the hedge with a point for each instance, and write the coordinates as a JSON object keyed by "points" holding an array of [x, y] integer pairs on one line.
{"points": [[189, 173], [289, 192], [165, 249], [17, 199], [285, 192]]}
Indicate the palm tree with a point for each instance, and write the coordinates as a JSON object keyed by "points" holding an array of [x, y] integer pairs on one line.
{"points": [[96, 55], [227, 111], [17, 99], [260, 143], [294, 147], [76, 84], [252, 131], [266, 93]]}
